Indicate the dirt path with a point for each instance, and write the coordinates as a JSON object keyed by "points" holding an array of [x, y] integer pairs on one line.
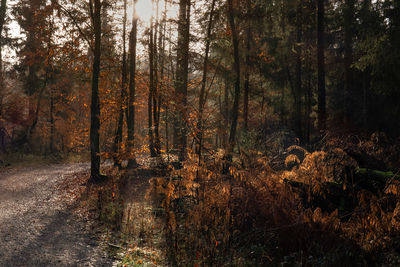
{"points": [[37, 227]]}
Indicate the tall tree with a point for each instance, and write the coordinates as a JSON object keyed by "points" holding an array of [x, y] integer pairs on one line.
{"points": [[3, 9], [156, 92], [152, 88], [124, 78], [181, 80], [298, 76], [95, 11], [132, 88], [247, 69], [321, 64], [31, 16], [236, 70], [202, 99], [348, 56]]}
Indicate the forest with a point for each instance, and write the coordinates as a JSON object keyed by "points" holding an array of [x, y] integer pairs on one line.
{"points": [[217, 132]]}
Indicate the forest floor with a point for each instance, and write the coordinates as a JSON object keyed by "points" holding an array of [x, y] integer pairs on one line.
{"points": [[41, 218]]}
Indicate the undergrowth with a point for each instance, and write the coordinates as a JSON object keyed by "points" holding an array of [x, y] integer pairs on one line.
{"points": [[242, 212], [251, 216]]}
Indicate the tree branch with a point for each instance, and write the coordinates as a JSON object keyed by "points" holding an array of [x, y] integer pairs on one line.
{"points": [[66, 11]]}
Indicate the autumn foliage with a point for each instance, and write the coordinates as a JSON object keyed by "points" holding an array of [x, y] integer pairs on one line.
{"points": [[253, 216]]}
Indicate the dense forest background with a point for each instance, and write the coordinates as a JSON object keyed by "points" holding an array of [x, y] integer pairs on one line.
{"points": [[222, 89], [224, 73]]}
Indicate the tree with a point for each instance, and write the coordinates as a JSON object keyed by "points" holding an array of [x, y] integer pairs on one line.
{"points": [[151, 103], [124, 78], [32, 16], [298, 77], [247, 70], [348, 57], [95, 12], [321, 65], [156, 83], [236, 70], [132, 88], [3, 9], [181, 80], [202, 98]]}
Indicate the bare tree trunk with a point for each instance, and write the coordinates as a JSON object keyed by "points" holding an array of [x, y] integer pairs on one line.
{"points": [[308, 97], [170, 76], [119, 130], [202, 99], [95, 104], [3, 9], [52, 126], [348, 57], [151, 91], [236, 68], [321, 66], [132, 90], [298, 78], [247, 85], [226, 113], [161, 58], [247, 73], [181, 81], [366, 87], [156, 93]]}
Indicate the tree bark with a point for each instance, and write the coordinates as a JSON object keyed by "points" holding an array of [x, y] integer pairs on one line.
{"points": [[298, 79], [3, 9], [95, 104], [52, 126], [348, 58], [156, 93], [321, 65], [119, 130], [226, 113], [181, 81], [151, 91], [202, 99], [247, 74], [236, 69], [132, 90]]}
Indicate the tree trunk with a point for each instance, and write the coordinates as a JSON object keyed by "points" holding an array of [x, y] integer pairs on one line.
{"points": [[95, 105], [124, 74], [321, 65], [52, 126], [236, 68], [3, 9], [156, 93], [161, 58], [202, 99], [348, 58], [181, 80], [151, 92], [366, 88], [247, 75], [298, 78], [309, 106], [226, 113], [132, 90]]}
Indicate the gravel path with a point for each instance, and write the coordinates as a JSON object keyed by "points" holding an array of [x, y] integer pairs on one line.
{"points": [[37, 227]]}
